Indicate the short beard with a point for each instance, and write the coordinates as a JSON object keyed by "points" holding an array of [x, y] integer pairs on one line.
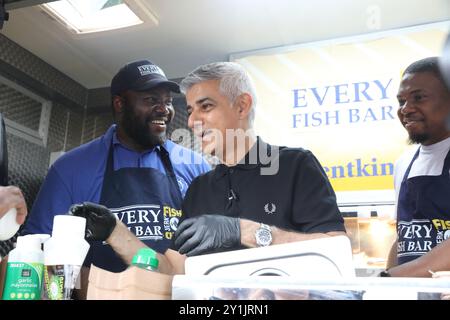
{"points": [[418, 138], [139, 131]]}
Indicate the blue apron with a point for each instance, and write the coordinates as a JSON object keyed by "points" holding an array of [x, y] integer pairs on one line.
{"points": [[146, 200], [423, 212]]}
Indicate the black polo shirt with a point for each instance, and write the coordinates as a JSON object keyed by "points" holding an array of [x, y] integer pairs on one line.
{"points": [[299, 197]]}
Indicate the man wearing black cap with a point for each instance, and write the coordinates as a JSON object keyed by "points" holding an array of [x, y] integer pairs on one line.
{"points": [[130, 169]]}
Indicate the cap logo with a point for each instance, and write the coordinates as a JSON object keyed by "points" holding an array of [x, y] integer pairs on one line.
{"points": [[149, 69]]}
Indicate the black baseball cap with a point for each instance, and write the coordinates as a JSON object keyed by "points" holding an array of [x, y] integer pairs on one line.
{"points": [[140, 76]]}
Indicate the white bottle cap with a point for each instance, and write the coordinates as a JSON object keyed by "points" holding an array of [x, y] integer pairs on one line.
{"points": [[8, 225], [67, 226], [29, 242]]}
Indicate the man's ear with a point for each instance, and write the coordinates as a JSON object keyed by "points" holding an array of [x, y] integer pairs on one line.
{"points": [[172, 114], [117, 104], [244, 104]]}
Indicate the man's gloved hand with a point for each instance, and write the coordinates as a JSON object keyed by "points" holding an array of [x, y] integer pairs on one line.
{"points": [[204, 234], [100, 221]]}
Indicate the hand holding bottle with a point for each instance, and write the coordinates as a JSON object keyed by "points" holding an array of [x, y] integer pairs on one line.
{"points": [[12, 197], [100, 221], [13, 211]]}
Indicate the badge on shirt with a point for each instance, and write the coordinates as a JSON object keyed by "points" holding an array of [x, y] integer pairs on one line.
{"points": [[182, 184]]}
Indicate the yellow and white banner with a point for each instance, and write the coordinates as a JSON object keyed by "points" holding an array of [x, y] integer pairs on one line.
{"points": [[338, 99]]}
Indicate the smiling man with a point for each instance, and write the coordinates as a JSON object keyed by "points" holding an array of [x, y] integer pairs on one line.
{"points": [[239, 204], [422, 179], [130, 169], [242, 204]]}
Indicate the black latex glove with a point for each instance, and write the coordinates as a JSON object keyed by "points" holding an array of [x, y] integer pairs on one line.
{"points": [[206, 233], [100, 221]]}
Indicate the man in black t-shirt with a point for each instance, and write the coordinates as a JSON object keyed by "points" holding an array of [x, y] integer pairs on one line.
{"points": [[259, 194]]}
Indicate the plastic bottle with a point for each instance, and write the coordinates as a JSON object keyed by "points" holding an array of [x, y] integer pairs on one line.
{"points": [[64, 254], [8, 225], [145, 258], [24, 271]]}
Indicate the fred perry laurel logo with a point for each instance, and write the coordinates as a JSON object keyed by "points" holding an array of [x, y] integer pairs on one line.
{"points": [[270, 208]]}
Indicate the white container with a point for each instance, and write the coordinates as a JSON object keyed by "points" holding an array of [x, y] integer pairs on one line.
{"points": [[67, 244], [8, 225], [24, 271], [64, 254]]}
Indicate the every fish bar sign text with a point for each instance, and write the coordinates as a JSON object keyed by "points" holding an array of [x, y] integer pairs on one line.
{"points": [[349, 103]]}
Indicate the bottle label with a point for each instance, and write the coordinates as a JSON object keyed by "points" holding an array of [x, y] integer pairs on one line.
{"points": [[23, 281], [59, 281]]}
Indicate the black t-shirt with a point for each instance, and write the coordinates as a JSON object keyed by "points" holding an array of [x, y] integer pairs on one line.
{"points": [[299, 197]]}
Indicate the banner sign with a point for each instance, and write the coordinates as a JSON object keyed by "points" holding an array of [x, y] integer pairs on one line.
{"points": [[337, 98]]}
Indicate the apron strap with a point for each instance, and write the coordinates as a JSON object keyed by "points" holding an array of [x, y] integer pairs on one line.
{"points": [[446, 164], [405, 177], [165, 158], [110, 160]]}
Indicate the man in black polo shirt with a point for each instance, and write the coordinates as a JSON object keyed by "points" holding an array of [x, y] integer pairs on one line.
{"points": [[259, 194]]}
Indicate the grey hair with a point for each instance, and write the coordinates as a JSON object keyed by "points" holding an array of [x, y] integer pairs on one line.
{"points": [[234, 81]]}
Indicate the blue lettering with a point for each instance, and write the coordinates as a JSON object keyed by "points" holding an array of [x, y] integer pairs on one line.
{"points": [[363, 91], [296, 120], [350, 169], [299, 98], [305, 120], [385, 112], [328, 117], [374, 167], [334, 172], [361, 170], [353, 115], [370, 114], [383, 88], [317, 120], [316, 94], [340, 93], [389, 167]]}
